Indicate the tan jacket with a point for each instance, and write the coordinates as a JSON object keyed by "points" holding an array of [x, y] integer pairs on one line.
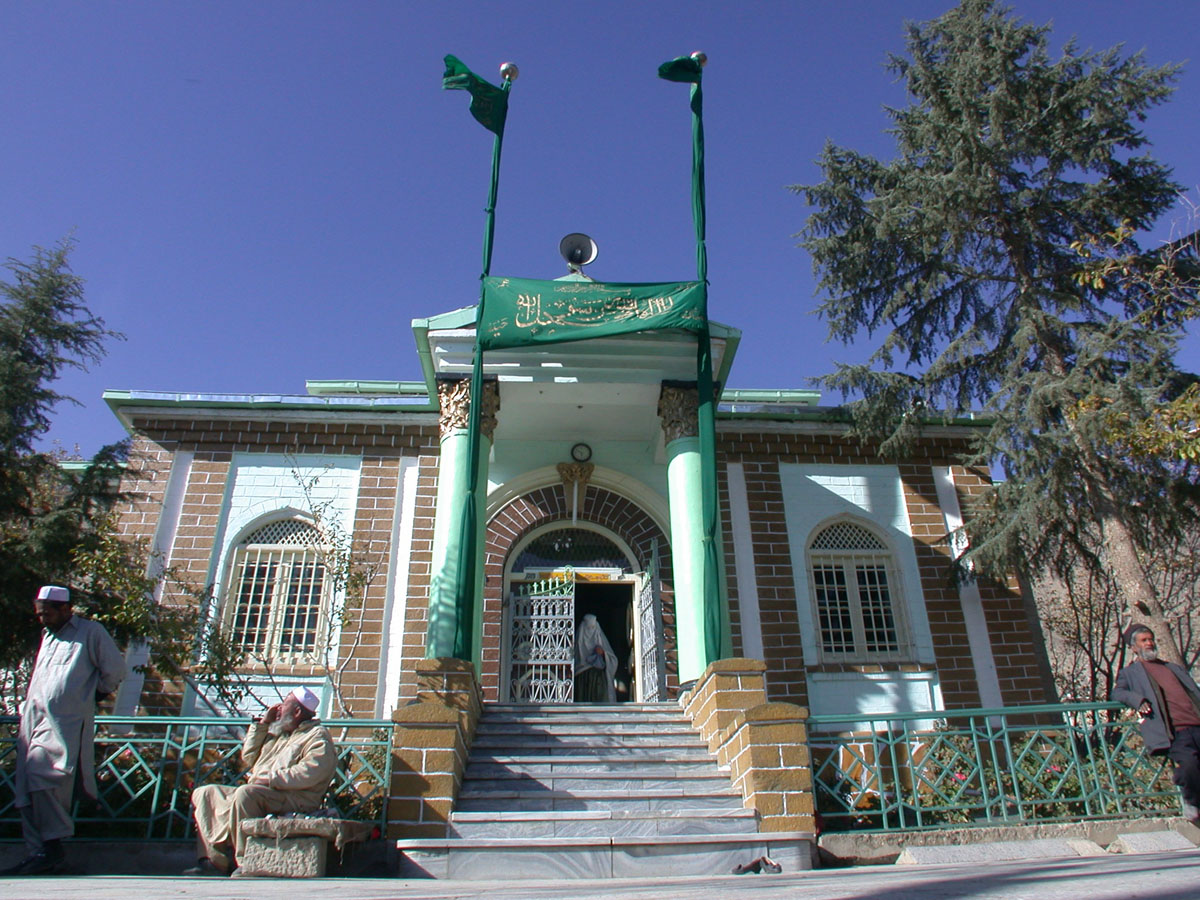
{"points": [[303, 761]]}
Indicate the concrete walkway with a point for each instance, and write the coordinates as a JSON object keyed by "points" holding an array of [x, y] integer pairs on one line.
{"points": [[1150, 876]]}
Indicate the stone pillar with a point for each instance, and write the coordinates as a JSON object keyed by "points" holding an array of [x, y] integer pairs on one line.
{"points": [[764, 744], [454, 399], [430, 747], [677, 406]]}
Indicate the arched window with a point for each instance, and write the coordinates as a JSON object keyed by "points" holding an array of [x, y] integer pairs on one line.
{"points": [[853, 590], [276, 598]]}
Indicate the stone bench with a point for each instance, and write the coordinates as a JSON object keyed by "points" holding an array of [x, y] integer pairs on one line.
{"points": [[295, 846]]}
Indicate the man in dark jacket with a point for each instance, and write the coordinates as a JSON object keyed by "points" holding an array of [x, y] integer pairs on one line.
{"points": [[1168, 702]]}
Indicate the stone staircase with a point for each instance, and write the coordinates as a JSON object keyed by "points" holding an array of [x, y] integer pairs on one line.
{"points": [[594, 791]]}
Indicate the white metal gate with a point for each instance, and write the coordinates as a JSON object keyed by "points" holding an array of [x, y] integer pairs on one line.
{"points": [[652, 668], [542, 641]]}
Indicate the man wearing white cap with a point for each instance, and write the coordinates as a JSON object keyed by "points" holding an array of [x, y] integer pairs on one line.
{"points": [[292, 761], [77, 665]]}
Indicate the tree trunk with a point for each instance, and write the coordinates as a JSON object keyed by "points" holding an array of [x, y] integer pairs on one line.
{"points": [[1141, 599]]}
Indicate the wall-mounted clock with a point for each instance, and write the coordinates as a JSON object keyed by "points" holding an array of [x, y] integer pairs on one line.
{"points": [[581, 453]]}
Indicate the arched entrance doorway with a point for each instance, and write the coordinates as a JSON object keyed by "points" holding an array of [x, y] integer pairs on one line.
{"points": [[562, 582]]}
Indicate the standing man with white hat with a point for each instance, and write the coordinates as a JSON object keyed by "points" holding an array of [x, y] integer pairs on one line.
{"points": [[292, 761], [77, 665]]}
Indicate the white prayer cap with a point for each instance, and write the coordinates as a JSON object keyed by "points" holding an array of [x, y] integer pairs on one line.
{"points": [[307, 698], [54, 594]]}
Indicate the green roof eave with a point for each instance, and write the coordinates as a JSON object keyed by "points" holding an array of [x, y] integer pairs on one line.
{"points": [[356, 387], [834, 414], [119, 400]]}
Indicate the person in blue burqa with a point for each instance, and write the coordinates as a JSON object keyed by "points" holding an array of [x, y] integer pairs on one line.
{"points": [[77, 665], [595, 664]]}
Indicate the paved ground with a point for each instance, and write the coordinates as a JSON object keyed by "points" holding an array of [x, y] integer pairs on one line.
{"points": [[1151, 876]]}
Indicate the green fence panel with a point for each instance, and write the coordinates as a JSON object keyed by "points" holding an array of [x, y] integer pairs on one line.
{"points": [[1046, 763], [148, 766]]}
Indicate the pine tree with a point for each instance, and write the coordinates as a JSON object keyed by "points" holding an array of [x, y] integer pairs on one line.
{"points": [[47, 513], [962, 254]]}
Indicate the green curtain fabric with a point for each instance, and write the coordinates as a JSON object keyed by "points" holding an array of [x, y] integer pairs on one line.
{"points": [[688, 70], [489, 106], [519, 312]]}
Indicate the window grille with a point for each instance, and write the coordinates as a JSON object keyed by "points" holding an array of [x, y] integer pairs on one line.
{"points": [[277, 594], [857, 613], [575, 547]]}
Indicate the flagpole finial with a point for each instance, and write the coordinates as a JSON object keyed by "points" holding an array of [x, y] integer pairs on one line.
{"points": [[509, 71], [700, 56]]}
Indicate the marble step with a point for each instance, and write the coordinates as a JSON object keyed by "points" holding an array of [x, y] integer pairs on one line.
{"points": [[564, 767], [476, 859], [574, 726], [586, 740], [599, 781], [602, 823], [603, 757], [592, 801], [570, 709]]}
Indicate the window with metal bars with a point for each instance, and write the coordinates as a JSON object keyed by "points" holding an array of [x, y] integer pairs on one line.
{"points": [[277, 597], [850, 576]]}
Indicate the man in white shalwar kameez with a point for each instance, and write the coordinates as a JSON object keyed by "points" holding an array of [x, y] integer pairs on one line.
{"points": [[292, 761], [77, 665]]}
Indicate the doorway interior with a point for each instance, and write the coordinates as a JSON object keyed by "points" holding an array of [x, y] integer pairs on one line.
{"points": [[612, 605]]}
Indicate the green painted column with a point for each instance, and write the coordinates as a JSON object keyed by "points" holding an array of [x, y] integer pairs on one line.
{"points": [[685, 491], [687, 557], [453, 472]]}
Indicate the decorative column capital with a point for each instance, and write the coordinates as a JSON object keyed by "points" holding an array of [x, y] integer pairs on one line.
{"points": [[454, 402], [573, 472], [678, 404], [575, 477]]}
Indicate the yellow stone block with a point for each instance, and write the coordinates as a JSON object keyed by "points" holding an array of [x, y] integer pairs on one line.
{"points": [[414, 738], [778, 780], [800, 804], [412, 760], [406, 808], [776, 733], [787, 823], [425, 713], [766, 804], [409, 784], [441, 785], [437, 810], [795, 755], [443, 761], [764, 756]]}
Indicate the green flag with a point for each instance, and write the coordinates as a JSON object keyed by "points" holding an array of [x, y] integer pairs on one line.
{"points": [[521, 312], [685, 69], [489, 104]]}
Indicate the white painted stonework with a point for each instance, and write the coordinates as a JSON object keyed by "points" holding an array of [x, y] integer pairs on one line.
{"points": [[871, 694], [814, 495]]}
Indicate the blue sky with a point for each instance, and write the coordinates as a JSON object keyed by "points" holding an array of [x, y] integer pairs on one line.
{"points": [[268, 192]]}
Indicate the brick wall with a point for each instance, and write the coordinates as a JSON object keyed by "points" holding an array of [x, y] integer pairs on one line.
{"points": [[194, 551], [761, 455]]}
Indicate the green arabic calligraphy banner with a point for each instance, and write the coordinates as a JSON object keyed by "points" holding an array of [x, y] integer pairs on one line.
{"points": [[523, 311]]}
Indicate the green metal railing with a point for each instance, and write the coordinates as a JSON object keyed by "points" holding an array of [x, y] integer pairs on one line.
{"points": [[984, 766], [147, 767]]}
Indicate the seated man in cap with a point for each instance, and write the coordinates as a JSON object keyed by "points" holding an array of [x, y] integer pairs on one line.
{"points": [[77, 665], [1168, 702], [292, 761]]}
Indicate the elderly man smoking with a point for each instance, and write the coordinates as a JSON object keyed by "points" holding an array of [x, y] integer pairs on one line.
{"points": [[292, 761], [77, 664]]}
